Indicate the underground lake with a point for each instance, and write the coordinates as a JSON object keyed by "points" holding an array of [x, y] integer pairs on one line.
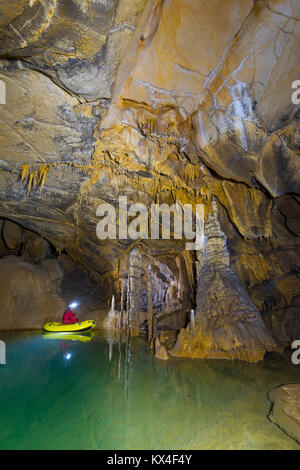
{"points": [[106, 392]]}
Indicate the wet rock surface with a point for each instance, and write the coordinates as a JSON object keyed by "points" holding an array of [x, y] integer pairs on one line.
{"points": [[285, 410]]}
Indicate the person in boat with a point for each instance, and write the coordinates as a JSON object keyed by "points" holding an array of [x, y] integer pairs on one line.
{"points": [[69, 316]]}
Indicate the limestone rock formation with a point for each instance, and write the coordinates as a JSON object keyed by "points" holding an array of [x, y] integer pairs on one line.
{"points": [[227, 323], [160, 102], [134, 291], [38, 285], [111, 321], [285, 410], [160, 350], [12, 235]]}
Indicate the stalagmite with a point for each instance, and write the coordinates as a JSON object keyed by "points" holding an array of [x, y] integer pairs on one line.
{"points": [[111, 319], [227, 323]]}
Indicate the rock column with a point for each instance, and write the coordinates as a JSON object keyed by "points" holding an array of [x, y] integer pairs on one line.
{"points": [[134, 288], [150, 305]]}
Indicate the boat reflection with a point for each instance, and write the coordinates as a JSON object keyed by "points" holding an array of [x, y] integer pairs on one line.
{"points": [[66, 336]]}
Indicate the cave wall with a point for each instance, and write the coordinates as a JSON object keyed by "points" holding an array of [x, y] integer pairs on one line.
{"points": [[159, 101]]}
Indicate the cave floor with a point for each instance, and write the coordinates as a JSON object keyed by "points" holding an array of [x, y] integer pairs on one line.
{"points": [[107, 393]]}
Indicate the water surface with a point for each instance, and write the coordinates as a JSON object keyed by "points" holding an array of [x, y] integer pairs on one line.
{"points": [[107, 393]]}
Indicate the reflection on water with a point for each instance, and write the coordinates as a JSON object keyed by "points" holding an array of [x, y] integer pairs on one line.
{"points": [[108, 393]]}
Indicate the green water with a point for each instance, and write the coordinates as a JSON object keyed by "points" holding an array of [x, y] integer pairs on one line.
{"points": [[106, 394]]}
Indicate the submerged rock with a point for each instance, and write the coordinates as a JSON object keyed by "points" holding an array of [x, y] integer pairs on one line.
{"points": [[285, 411], [227, 323]]}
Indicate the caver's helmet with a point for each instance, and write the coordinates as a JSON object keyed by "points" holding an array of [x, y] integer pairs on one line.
{"points": [[73, 305]]}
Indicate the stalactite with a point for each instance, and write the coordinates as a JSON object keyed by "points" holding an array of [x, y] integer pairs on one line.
{"points": [[128, 306], [34, 177], [191, 172], [24, 172], [37, 177]]}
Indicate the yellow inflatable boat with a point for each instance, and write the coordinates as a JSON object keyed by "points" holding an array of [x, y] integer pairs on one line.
{"points": [[60, 327]]}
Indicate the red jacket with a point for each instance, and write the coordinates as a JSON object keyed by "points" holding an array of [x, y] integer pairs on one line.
{"points": [[69, 318]]}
